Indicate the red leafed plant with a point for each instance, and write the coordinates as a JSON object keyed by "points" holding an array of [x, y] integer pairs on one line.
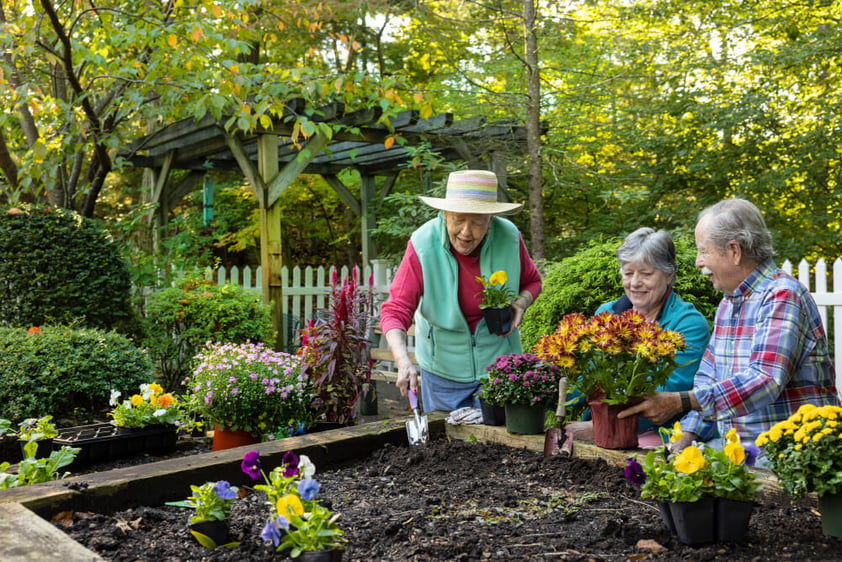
{"points": [[335, 350]]}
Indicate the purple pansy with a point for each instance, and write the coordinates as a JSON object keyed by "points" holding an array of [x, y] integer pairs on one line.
{"points": [[290, 462], [251, 464], [634, 472]]}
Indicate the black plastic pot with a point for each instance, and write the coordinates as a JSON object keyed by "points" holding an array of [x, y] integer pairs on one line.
{"points": [[102, 442], [492, 415], [217, 531], [695, 521]]}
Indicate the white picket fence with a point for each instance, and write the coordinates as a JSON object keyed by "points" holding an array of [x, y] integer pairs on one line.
{"points": [[306, 290]]}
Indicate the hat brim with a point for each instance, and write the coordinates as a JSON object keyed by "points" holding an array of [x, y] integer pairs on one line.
{"points": [[471, 206]]}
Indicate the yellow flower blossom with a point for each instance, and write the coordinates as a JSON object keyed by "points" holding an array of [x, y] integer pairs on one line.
{"points": [[735, 452], [288, 505], [690, 460], [156, 388], [676, 432], [731, 436], [137, 400], [498, 278]]}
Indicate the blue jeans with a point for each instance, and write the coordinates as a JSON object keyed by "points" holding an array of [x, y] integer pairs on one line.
{"points": [[438, 393]]}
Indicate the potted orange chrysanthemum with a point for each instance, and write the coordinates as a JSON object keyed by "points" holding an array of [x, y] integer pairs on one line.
{"points": [[613, 360]]}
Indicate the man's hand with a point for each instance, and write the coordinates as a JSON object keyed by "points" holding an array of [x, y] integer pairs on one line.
{"points": [[658, 407]]}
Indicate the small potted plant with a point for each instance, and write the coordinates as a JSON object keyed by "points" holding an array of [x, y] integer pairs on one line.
{"points": [[526, 386], [805, 453], [152, 406], [40, 430], [335, 351], [613, 360], [212, 502], [248, 390], [298, 524], [705, 494], [496, 302]]}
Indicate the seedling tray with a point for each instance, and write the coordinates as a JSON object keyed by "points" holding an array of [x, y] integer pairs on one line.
{"points": [[102, 442]]}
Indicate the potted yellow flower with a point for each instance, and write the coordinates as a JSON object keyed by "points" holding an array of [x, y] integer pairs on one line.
{"points": [[612, 359], [705, 494], [496, 302], [805, 453]]}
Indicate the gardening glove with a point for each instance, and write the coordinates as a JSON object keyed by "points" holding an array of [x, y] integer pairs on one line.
{"points": [[466, 415]]}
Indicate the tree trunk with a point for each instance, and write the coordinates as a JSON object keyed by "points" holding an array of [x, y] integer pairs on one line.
{"points": [[533, 132]]}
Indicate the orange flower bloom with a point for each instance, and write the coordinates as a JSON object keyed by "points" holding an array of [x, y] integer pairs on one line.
{"points": [[34, 330]]}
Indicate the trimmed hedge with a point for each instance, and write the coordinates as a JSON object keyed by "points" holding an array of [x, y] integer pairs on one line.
{"points": [[589, 278], [58, 268], [65, 371], [181, 319]]}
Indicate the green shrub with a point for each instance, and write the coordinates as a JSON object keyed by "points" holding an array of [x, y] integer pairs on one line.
{"points": [[59, 268], [591, 277], [181, 319], [61, 371]]}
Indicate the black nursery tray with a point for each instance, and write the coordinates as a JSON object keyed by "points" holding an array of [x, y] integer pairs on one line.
{"points": [[102, 442]]}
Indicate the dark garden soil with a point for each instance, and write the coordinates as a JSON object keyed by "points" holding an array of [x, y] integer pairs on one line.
{"points": [[467, 501]]}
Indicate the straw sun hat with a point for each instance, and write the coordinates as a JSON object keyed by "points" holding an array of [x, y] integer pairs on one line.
{"points": [[471, 191]]}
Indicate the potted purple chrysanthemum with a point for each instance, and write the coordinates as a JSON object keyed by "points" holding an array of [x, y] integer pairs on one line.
{"points": [[526, 386], [251, 389]]}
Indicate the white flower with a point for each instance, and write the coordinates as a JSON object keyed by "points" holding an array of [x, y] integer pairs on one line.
{"points": [[306, 466], [145, 391], [114, 399]]}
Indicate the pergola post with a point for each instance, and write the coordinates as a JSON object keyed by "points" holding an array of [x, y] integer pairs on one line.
{"points": [[271, 259]]}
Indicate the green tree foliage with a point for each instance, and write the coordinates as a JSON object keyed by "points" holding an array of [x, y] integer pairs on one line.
{"points": [[582, 282], [66, 372], [78, 81], [57, 267], [182, 318]]}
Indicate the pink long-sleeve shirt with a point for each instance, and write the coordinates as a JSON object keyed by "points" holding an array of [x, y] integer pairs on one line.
{"points": [[408, 286]]}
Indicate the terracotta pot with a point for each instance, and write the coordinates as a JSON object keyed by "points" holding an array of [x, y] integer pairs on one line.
{"points": [[228, 439], [610, 432], [498, 320], [524, 420]]}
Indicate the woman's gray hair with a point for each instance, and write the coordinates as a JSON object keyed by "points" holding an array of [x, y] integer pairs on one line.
{"points": [[653, 247], [741, 221]]}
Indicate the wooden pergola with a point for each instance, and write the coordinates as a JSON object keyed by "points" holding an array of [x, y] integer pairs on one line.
{"points": [[270, 161]]}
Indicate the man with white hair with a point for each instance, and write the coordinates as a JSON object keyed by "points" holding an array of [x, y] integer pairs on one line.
{"points": [[768, 354]]}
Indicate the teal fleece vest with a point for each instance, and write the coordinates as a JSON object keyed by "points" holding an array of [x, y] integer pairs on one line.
{"points": [[443, 343]]}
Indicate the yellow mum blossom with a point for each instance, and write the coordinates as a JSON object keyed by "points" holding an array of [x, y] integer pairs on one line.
{"points": [[137, 400], [690, 460], [805, 408], [156, 388], [762, 439], [288, 505], [735, 452], [676, 432], [498, 278], [818, 436]]}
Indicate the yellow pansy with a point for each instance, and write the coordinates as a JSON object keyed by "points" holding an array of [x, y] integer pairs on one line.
{"points": [[735, 452], [676, 432], [156, 388], [498, 278], [690, 460], [137, 400], [288, 505], [731, 436]]}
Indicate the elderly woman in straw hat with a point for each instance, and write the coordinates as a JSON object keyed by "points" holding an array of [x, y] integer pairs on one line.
{"points": [[436, 283]]}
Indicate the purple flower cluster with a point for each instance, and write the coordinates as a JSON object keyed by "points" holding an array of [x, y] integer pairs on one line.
{"points": [[522, 378]]}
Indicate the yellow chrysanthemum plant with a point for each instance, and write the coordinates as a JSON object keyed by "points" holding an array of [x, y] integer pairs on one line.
{"points": [[495, 293], [152, 406], [805, 451], [622, 355], [696, 472]]}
